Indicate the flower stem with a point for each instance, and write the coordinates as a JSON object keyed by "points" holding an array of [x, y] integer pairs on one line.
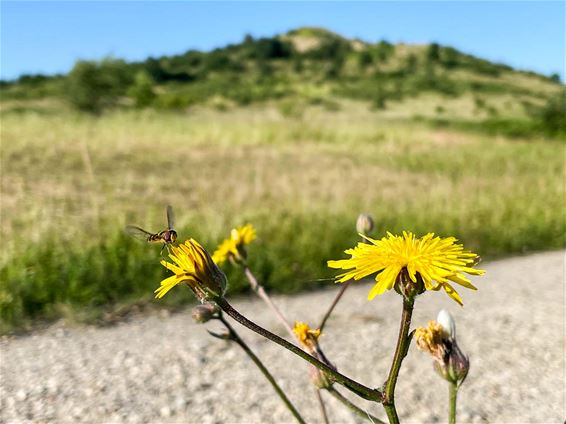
{"points": [[322, 407], [333, 305], [235, 337], [400, 353], [336, 299], [453, 390], [260, 291], [352, 385], [355, 409]]}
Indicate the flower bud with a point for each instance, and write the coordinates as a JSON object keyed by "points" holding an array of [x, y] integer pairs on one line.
{"points": [[408, 288], [439, 340], [455, 366], [364, 224], [205, 312], [458, 364], [307, 337]]}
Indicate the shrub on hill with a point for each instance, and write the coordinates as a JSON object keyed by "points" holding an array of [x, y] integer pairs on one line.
{"points": [[142, 90], [93, 86], [553, 115], [268, 48]]}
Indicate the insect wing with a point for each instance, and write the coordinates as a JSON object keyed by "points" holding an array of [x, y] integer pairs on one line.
{"points": [[170, 218], [138, 233]]}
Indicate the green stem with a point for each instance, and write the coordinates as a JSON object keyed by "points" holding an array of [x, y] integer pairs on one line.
{"points": [[336, 299], [235, 337], [453, 390], [352, 385], [400, 353], [333, 305], [355, 409], [260, 291], [322, 407]]}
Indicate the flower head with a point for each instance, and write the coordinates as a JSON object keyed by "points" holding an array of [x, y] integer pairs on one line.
{"points": [[233, 247], [224, 251], [439, 340], [306, 336], [193, 266], [431, 262], [431, 339]]}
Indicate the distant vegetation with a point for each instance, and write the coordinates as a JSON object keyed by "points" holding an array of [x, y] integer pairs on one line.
{"points": [[297, 134], [308, 65]]}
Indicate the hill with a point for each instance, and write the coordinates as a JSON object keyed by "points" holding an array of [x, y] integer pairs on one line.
{"points": [[312, 66]]}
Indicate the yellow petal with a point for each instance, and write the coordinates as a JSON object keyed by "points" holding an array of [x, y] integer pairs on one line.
{"points": [[452, 293]]}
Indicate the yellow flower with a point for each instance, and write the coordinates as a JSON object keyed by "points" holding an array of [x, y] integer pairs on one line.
{"points": [[193, 266], [224, 250], [233, 247], [306, 336], [433, 260], [243, 235], [449, 361]]}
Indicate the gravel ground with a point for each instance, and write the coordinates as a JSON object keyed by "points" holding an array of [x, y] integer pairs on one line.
{"points": [[164, 368]]}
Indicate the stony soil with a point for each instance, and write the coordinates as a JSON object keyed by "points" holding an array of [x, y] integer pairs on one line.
{"points": [[164, 368]]}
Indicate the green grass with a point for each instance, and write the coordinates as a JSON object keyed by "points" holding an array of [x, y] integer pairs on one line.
{"points": [[509, 127], [70, 183]]}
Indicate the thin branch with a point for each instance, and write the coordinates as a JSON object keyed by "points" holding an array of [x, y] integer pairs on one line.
{"points": [[355, 409], [400, 353], [235, 337], [322, 407], [352, 385], [333, 305], [340, 293], [260, 291]]}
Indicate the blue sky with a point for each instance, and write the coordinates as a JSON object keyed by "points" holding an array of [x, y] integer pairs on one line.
{"points": [[47, 37]]}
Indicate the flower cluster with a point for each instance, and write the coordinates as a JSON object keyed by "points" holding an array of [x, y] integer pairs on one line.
{"points": [[430, 261], [233, 247], [405, 263]]}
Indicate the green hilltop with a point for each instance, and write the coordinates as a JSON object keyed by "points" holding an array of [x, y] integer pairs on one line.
{"points": [[313, 66]]}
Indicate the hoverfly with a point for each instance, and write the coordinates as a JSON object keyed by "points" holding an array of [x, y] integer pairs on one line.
{"points": [[167, 237]]}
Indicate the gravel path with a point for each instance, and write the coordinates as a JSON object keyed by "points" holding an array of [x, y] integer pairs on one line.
{"points": [[165, 369]]}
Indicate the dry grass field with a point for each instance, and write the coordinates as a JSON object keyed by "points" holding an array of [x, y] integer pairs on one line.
{"points": [[71, 182]]}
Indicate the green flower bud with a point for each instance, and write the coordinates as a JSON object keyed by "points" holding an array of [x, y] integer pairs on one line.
{"points": [[364, 224], [205, 312]]}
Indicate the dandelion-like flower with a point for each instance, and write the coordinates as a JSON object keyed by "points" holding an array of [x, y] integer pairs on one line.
{"points": [[306, 336], [430, 261], [439, 340], [233, 247], [193, 266]]}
